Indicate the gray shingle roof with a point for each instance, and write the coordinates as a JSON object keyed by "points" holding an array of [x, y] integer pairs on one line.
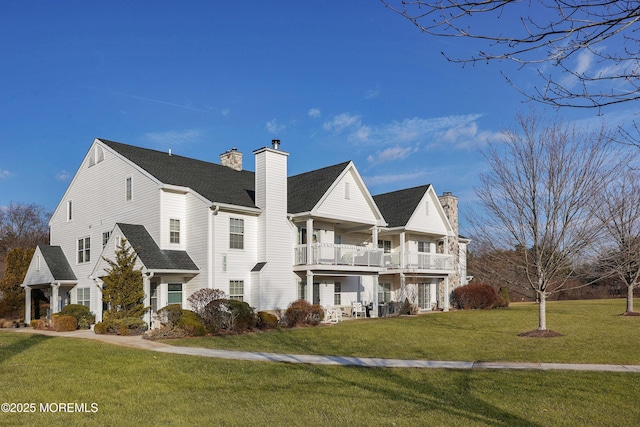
{"points": [[215, 182], [151, 255], [306, 189], [57, 262], [221, 184], [398, 206]]}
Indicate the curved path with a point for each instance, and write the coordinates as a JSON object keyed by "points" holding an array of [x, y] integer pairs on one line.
{"points": [[138, 342]]}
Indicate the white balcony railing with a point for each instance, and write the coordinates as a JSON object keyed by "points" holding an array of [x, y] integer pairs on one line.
{"points": [[334, 254], [419, 261]]}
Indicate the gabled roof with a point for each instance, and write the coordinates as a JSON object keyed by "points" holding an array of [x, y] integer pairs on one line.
{"points": [[398, 206], [215, 182], [306, 190], [57, 262], [151, 255]]}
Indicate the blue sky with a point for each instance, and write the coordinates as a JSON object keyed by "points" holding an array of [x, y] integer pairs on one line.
{"points": [[333, 80]]}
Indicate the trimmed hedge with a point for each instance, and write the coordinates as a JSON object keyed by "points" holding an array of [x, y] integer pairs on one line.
{"points": [[65, 324]]}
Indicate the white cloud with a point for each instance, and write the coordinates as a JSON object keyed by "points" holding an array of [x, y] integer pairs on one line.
{"points": [[4, 174], [388, 179], [391, 154], [314, 113], [224, 112], [342, 122], [372, 93], [63, 175], [173, 138], [273, 127]]}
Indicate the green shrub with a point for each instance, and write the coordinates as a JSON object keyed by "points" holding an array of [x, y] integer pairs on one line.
{"points": [[170, 315], [66, 324], [191, 324], [83, 315], [101, 328], [474, 296], [267, 320], [244, 317], [302, 313], [173, 316], [125, 326]]}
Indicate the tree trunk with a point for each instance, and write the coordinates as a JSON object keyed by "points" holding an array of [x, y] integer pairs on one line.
{"points": [[630, 299], [542, 321]]}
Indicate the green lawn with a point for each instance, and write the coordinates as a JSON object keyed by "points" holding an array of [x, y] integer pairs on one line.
{"points": [[593, 332], [138, 387]]}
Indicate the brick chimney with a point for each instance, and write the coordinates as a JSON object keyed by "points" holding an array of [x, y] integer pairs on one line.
{"points": [[232, 159]]}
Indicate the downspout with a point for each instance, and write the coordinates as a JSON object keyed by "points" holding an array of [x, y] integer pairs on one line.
{"points": [[147, 287]]}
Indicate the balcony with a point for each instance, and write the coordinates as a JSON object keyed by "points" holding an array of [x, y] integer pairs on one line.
{"points": [[339, 255], [419, 261]]}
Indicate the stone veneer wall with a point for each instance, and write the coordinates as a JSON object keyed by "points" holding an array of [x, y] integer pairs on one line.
{"points": [[449, 204]]}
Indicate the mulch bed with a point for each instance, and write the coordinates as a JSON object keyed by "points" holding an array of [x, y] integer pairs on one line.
{"points": [[536, 333], [631, 313]]}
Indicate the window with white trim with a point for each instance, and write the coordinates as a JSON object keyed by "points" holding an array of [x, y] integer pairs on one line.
{"points": [[424, 247], [83, 295], [337, 293], [236, 290], [105, 238], [174, 231], [174, 293], [236, 233], [84, 250]]}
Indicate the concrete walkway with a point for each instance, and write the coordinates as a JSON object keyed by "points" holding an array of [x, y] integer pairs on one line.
{"points": [[138, 342]]}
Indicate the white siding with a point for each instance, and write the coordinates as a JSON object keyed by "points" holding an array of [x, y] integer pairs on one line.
{"points": [[356, 208], [434, 222], [98, 195]]}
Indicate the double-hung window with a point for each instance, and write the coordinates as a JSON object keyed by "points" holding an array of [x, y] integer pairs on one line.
{"points": [[385, 245], [84, 250], [174, 231], [423, 247], [84, 296], [236, 289], [236, 233], [384, 293]]}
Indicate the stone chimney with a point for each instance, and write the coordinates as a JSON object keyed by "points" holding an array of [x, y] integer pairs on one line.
{"points": [[232, 159], [449, 204]]}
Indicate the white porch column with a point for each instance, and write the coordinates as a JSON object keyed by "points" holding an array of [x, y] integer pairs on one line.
{"points": [[27, 305], [403, 288], [445, 305], [54, 303], [146, 287], [402, 250], [309, 291], [309, 242], [374, 236]]}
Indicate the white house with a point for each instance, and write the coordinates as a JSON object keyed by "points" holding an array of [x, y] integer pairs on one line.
{"points": [[261, 237]]}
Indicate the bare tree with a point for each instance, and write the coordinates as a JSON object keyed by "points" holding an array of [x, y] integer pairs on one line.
{"points": [[619, 213], [535, 197], [22, 226], [592, 46]]}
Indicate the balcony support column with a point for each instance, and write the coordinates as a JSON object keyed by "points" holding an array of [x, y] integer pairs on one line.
{"points": [[403, 261], [310, 254]]}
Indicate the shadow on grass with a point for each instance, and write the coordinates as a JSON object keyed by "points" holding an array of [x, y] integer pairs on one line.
{"points": [[18, 344], [455, 400]]}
